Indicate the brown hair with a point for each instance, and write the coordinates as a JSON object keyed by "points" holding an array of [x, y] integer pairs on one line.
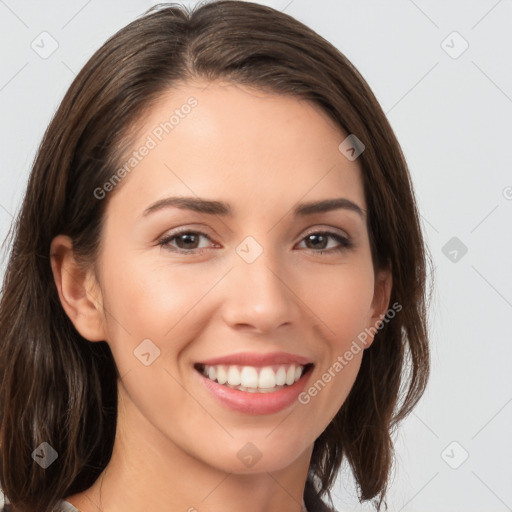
{"points": [[59, 388]]}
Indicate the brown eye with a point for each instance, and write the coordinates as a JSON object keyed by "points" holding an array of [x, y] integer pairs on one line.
{"points": [[184, 241], [318, 241], [187, 240]]}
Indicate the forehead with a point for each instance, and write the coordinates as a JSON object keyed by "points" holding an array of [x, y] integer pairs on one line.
{"points": [[238, 144]]}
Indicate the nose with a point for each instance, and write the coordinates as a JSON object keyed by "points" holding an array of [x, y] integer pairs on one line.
{"points": [[259, 296]]}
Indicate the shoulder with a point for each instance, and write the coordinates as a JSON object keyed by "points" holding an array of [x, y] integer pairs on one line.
{"points": [[4, 505], [62, 506]]}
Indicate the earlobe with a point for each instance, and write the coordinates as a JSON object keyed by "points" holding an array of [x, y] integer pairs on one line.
{"points": [[78, 290]]}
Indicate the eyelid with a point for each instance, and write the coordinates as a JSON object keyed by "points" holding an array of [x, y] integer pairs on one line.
{"points": [[327, 229], [189, 228]]}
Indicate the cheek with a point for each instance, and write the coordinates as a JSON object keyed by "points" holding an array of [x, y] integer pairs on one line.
{"points": [[341, 297], [148, 298], [153, 300], [331, 380], [343, 302], [144, 289]]}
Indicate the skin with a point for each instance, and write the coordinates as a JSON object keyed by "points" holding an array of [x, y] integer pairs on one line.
{"points": [[176, 447]]}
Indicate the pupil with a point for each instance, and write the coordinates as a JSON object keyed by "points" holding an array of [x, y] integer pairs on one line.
{"points": [[322, 238], [188, 238]]}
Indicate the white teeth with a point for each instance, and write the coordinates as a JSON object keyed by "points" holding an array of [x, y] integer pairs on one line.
{"points": [[233, 376], [281, 376], [254, 379], [267, 378], [222, 376], [290, 375], [249, 377]]}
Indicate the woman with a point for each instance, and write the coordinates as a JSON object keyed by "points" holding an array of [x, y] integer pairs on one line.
{"points": [[217, 281]]}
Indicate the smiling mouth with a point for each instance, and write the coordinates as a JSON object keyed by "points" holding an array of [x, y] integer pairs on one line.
{"points": [[254, 379]]}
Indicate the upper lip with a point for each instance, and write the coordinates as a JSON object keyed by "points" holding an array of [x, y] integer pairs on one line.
{"points": [[257, 359]]}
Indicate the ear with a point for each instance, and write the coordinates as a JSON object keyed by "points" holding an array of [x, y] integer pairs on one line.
{"points": [[78, 290], [380, 302]]}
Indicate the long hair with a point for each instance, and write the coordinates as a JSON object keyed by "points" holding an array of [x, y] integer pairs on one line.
{"points": [[59, 388]]}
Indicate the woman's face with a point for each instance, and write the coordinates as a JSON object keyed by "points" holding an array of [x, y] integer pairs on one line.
{"points": [[253, 287]]}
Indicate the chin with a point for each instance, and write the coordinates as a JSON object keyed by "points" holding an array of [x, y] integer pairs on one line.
{"points": [[258, 456]]}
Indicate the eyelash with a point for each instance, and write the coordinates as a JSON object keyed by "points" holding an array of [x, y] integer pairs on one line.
{"points": [[345, 243]]}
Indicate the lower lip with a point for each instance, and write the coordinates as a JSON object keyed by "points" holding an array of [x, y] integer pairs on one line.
{"points": [[255, 403]]}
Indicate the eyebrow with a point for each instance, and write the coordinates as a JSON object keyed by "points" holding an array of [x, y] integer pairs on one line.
{"points": [[219, 208]]}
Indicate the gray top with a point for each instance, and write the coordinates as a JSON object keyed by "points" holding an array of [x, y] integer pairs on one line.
{"points": [[63, 506]]}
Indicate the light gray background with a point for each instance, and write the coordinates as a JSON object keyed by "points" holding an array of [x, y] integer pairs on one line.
{"points": [[452, 116]]}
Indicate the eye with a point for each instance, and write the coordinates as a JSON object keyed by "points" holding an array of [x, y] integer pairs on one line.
{"points": [[319, 241], [185, 241]]}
